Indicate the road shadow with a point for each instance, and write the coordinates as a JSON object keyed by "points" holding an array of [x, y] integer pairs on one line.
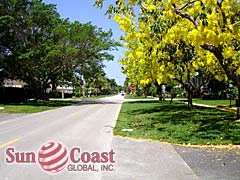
{"points": [[87, 102], [61, 103]]}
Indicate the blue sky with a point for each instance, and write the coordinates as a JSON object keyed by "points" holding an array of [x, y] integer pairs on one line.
{"points": [[83, 11]]}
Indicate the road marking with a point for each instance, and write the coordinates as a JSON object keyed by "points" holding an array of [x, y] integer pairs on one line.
{"points": [[9, 143]]}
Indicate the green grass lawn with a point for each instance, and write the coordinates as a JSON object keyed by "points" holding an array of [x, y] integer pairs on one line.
{"points": [[215, 102], [128, 96], [33, 107], [175, 124]]}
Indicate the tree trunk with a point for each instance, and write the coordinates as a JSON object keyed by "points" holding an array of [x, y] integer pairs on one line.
{"points": [[171, 99], [238, 103], [83, 90], [54, 90], [159, 90], [190, 97], [40, 94], [62, 92]]}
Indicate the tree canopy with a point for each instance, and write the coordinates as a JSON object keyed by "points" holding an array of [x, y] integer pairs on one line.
{"points": [[40, 48], [165, 39]]}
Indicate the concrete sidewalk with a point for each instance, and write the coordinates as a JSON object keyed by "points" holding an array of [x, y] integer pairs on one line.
{"points": [[224, 108], [144, 160]]}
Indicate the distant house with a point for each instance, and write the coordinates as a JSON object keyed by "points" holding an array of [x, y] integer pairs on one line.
{"points": [[14, 83], [67, 89]]}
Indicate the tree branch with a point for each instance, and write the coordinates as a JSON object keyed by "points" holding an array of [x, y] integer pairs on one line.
{"points": [[223, 14], [236, 23], [184, 15], [218, 54], [180, 81], [188, 3], [206, 80], [220, 3], [191, 84]]}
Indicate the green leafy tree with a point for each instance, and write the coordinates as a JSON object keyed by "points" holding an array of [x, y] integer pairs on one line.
{"points": [[39, 48], [26, 40]]}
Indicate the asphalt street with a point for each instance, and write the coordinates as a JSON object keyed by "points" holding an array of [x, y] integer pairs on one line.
{"points": [[89, 126], [211, 163], [5, 117]]}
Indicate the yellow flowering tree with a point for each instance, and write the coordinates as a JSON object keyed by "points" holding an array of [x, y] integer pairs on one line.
{"points": [[214, 30], [151, 58], [212, 27], [140, 64]]}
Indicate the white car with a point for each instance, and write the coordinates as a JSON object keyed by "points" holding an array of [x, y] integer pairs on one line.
{"points": [[122, 93]]}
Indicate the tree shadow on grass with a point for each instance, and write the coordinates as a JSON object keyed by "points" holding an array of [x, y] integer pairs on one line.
{"points": [[207, 125]]}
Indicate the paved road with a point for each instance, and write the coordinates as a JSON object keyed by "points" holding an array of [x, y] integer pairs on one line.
{"points": [[211, 163], [6, 116], [88, 125]]}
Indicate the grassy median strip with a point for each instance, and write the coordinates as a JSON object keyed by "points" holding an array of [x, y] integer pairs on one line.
{"points": [[175, 124], [33, 107]]}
